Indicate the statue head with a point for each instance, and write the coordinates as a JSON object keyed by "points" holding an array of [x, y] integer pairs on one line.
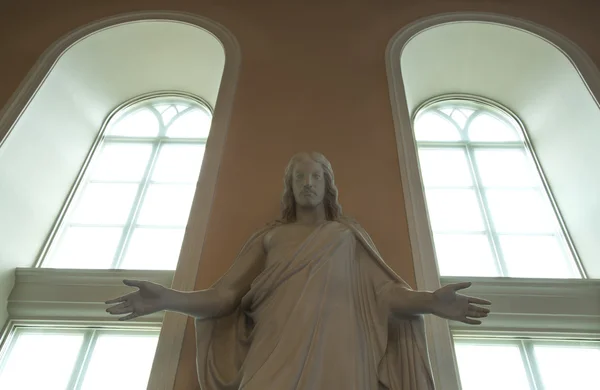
{"points": [[309, 183]]}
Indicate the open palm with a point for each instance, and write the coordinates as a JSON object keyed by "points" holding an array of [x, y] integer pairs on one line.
{"points": [[454, 306], [148, 299]]}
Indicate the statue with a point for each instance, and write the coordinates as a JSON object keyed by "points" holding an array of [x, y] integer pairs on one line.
{"points": [[308, 304]]}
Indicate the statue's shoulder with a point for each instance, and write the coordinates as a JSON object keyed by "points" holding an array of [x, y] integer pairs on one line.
{"points": [[350, 222]]}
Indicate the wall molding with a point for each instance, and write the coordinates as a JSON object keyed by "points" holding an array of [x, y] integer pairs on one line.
{"points": [[170, 343], [56, 295], [441, 349]]}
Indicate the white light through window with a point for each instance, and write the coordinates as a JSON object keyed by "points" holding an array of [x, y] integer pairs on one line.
{"points": [[527, 364], [489, 210], [131, 208], [87, 359]]}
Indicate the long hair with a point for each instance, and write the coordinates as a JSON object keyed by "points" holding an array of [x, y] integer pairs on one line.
{"points": [[333, 209]]}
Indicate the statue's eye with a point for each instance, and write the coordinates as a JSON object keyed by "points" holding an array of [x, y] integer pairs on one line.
{"points": [[317, 176]]}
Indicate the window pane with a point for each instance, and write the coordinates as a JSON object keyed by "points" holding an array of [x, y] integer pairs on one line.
{"points": [[40, 360], [432, 127], [535, 257], [444, 167], [454, 210], [520, 211], [168, 114], [122, 360], [568, 367], [151, 248], [105, 203], [193, 124], [178, 163], [460, 116], [487, 128], [85, 247], [139, 123], [121, 162], [167, 205], [504, 168], [491, 367], [464, 255]]}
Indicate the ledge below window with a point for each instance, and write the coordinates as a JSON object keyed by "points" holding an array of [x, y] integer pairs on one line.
{"points": [[534, 307], [44, 295]]}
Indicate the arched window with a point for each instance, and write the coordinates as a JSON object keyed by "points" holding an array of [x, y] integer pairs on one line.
{"points": [[490, 210], [100, 191], [483, 186], [131, 207]]}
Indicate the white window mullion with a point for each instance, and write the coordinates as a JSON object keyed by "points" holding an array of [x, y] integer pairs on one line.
{"points": [[83, 359], [485, 213], [137, 203], [530, 366]]}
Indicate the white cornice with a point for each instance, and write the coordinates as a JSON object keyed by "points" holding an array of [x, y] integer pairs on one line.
{"points": [[547, 308], [61, 295]]}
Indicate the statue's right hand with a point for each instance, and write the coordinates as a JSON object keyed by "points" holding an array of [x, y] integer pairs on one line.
{"points": [[149, 298]]}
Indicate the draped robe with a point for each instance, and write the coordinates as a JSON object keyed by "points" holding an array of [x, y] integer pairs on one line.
{"points": [[317, 317]]}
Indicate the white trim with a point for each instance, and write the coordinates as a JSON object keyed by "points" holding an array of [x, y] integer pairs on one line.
{"points": [[554, 307], [56, 295], [170, 343], [426, 271]]}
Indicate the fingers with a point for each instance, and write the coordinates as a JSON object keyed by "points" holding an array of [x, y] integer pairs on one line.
{"points": [[477, 309], [129, 317], [134, 283], [460, 286], [120, 309], [122, 298], [471, 321], [479, 301]]}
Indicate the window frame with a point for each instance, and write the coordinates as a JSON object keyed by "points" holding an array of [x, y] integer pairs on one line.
{"points": [[90, 336], [492, 106], [65, 298], [80, 182], [439, 337]]}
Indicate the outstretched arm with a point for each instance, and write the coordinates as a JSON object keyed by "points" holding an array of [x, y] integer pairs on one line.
{"points": [[445, 302], [219, 300]]}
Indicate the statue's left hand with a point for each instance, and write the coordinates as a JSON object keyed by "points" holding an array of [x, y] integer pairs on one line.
{"points": [[449, 304]]}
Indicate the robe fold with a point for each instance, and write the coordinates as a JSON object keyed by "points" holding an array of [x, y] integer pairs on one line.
{"points": [[317, 317]]}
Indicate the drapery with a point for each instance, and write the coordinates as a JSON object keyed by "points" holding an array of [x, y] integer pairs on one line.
{"points": [[317, 317]]}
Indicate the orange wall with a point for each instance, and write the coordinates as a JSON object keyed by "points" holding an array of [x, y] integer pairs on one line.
{"points": [[312, 78]]}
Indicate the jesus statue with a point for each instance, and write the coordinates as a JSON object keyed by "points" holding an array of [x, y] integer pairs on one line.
{"points": [[308, 304]]}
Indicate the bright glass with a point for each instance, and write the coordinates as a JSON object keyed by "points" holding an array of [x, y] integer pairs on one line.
{"points": [[445, 168], [433, 127], [121, 161], [520, 211], [144, 174], [178, 163], [484, 192], [193, 124], [568, 366], [40, 360], [465, 255], [120, 361], [139, 123], [454, 210], [105, 204], [504, 168], [153, 248], [487, 128], [533, 256], [491, 367], [86, 247], [166, 205]]}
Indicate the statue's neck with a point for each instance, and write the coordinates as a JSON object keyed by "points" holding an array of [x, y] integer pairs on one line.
{"points": [[311, 216]]}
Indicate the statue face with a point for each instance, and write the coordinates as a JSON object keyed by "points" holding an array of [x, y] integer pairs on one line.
{"points": [[308, 183]]}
